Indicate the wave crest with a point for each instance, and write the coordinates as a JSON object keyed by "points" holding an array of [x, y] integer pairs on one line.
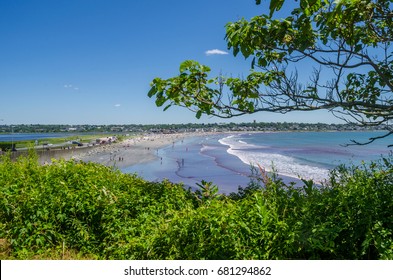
{"points": [[285, 165]]}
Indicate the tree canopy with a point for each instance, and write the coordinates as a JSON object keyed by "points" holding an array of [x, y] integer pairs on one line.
{"points": [[346, 43]]}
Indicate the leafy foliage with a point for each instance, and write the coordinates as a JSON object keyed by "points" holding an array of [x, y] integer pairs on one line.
{"points": [[347, 45], [6, 146], [97, 212]]}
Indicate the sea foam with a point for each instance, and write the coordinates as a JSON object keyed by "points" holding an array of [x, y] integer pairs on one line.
{"points": [[252, 154]]}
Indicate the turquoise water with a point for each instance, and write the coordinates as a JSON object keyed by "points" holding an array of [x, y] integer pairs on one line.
{"points": [[225, 159]]}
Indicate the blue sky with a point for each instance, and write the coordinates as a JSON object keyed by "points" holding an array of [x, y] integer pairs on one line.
{"points": [[91, 61]]}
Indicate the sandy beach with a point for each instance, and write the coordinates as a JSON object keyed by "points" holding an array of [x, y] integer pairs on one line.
{"points": [[131, 151]]}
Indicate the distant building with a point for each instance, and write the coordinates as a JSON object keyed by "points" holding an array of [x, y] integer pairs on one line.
{"points": [[117, 128]]}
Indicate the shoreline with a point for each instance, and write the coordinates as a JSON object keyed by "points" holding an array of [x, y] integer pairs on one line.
{"points": [[132, 151], [146, 149]]}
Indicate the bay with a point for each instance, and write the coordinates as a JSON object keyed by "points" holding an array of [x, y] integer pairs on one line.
{"points": [[225, 159]]}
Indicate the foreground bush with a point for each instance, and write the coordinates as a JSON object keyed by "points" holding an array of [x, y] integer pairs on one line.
{"points": [[85, 210]]}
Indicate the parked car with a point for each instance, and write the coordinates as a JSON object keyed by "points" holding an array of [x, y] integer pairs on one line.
{"points": [[77, 143]]}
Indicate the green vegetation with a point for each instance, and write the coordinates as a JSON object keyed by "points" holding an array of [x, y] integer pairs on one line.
{"points": [[343, 47], [79, 210], [82, 210], [6, 146], [58, 141], [132, 129]]}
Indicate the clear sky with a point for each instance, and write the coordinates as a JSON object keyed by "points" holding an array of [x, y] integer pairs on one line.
{"points": [[91, 61]]}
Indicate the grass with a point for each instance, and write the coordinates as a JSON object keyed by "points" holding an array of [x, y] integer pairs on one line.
{"points": [[84, 138]]}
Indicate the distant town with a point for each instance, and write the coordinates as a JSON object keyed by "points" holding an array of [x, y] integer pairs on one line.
{"points": [[179, 128]]}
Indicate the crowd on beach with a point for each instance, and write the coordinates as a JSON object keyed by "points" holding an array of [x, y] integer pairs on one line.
{"points": [[131, 151]]}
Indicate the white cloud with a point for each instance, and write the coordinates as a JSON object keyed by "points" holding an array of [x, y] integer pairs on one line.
{"points": [[70, 86], [215, 51], [117, 105]]}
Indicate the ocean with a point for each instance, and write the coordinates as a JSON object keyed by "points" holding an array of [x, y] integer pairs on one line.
{"points": [[226, 159]]}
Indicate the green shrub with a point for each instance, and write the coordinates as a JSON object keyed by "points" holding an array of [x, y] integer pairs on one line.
{"points": [[95, 211], [6, 146]]}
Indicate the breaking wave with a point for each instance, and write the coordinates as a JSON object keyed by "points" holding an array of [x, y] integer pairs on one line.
{"points": [[269, 159]]}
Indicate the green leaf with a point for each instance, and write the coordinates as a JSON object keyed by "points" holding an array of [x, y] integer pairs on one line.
{"points": [[152, 91], [275, 5], [186, 65]]}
